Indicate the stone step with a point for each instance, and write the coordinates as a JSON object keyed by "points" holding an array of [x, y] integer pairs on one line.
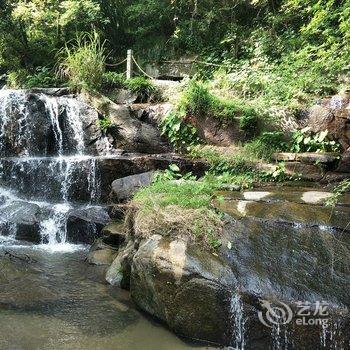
{"points": [[308, 157], [276, 194], [305, 210]]}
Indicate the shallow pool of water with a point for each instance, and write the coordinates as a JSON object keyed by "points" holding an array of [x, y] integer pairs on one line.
{"points": [[55, 300]]}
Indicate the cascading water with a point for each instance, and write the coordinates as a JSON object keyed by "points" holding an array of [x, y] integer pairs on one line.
{"points": [[44, 164], [238, 321]]}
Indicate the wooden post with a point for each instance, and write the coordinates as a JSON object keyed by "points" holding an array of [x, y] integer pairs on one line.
{"points": [[129, 64]]}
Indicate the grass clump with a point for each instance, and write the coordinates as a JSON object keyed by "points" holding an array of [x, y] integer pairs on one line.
{"points": [[181, 208], [198, 101], [113, 80], [82, 62], [179, 205], [265, 145], [143, 88]]}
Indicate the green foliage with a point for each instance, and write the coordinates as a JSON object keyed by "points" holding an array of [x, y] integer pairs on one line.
{"points": [[32, 31], [199, 102], [265, 145], [338, 191], [230, 162], [17, 79], [179, 130], [43, 78], [196, 100], [82, 62], [249, 123], [113, 80], [173, 173], [144, 88], [105, 123], [306, 141]]}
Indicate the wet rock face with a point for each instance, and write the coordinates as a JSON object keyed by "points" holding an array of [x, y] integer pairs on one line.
{"points": [[279, 245], [85, 225], [35, 123], [22, 220]]}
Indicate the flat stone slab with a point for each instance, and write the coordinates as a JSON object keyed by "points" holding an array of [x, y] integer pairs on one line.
{"points": [[287, 212], [312, 158], [307, 157], [284, 156], [290, 205], [309, 172], [284, 194]]}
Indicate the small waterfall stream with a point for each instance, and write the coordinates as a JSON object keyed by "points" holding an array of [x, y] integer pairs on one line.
{"points": [[44, 161], [51, 170]]}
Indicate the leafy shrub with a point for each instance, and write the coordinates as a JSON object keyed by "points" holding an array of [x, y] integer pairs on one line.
{"points": [[105, 123], [249, 123], [44, 78], [306, 141], [113, 80], [199, 102], [173, 173], [143, 87], [265, 145], [179, 130], [82, 62], [196, 100], [17, 79], [338, 191]]}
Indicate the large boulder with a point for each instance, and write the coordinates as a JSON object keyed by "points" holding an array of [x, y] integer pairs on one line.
{"points": [[84, 225], [282, 252], [332, 114], [22, 220], [170, 279], [126, 187], [128, 132]]}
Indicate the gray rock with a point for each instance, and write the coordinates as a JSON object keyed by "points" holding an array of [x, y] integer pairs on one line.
{"points": [[114, 234], [84, 225], [128, 132], [278, 246], [101, 256], [123, 96], [126, 187], [23, 218], [344, 164], [119, 272], [188, 289]]}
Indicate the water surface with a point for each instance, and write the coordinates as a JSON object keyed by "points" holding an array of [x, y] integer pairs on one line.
{"points": [[54, 300]]}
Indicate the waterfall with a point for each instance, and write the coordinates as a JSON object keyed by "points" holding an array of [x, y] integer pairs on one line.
{"points": [[238, 321], [46, 166]]}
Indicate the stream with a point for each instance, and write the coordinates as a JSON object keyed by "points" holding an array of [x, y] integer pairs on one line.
{"points": [[50, 298], [55, 300]]}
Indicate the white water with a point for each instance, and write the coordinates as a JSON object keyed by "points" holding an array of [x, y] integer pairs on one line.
{"points": [[60, 171], [238, 321]]}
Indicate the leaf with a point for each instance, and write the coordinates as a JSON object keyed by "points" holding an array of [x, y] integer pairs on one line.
{"points": [[174, 168], [322, 135]]}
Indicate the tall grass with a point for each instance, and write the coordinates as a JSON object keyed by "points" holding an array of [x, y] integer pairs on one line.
{"points": [[82, 61]]}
